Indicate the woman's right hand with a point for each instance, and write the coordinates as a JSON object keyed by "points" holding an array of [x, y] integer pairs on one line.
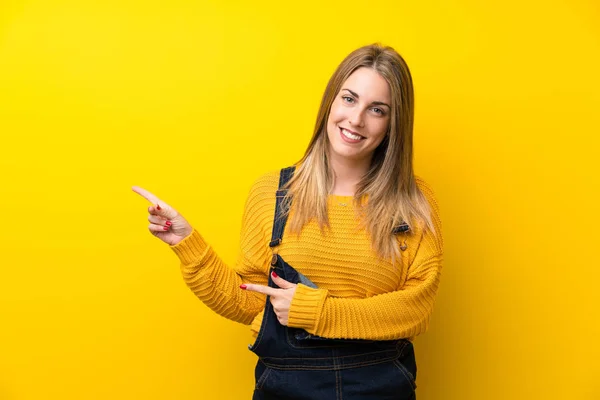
{"points": [[165, 222]]}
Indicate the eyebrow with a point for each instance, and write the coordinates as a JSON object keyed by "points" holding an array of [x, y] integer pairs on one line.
{"points": [[375, 103]]}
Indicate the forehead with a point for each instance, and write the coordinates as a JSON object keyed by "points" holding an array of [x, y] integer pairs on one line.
{"points": [[369, 85]]}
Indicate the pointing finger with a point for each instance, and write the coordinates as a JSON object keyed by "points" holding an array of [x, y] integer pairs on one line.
{"points": [[145, 194], [269, 291], [159, 207]]}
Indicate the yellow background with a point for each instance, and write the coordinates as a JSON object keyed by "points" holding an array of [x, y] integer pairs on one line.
{"points": [[194, 100]]}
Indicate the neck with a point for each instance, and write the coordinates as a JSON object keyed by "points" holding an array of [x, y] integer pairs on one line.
{"points": [[348, 174]]}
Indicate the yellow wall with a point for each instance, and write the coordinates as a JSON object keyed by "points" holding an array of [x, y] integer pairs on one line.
{"points": [[193, 100]]}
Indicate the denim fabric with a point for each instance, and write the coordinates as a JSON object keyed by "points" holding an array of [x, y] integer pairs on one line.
{"points": [[296, 365]]}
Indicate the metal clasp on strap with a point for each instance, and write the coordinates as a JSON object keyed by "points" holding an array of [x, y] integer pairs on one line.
{"points": [[403, 227]]}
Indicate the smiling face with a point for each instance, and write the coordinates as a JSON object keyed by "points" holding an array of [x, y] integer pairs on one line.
{"points": [[359, 117]]}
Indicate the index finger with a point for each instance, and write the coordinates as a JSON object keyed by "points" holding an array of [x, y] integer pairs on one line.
{"points": [[269, 291], [145, 194]]}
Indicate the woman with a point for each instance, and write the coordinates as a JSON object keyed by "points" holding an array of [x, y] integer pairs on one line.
{"points": [[346, 245]]}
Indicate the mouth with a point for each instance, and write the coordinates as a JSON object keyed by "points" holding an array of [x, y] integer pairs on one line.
{"points": [[350, 136]]}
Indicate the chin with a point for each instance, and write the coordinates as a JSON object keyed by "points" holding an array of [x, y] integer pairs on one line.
{"points": [[345, 154]]}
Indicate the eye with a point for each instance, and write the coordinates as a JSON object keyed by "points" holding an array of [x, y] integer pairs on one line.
{"points": [[378, 111], [348, 99]]}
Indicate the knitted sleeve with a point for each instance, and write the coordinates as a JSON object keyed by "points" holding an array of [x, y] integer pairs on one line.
{"points": [[217, 284], [399, 314]]}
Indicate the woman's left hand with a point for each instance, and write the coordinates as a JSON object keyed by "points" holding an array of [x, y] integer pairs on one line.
{"points": [[281, 299]]}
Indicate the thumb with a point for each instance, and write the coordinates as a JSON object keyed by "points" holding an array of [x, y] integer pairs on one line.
{"points": [[179, 225], [164, 210], [282, 283]]}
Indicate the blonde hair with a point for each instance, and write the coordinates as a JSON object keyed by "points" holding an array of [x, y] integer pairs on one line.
{"points": [[393, 195]]}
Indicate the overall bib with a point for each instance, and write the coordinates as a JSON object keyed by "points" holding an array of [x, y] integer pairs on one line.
{"points": [[296, 365]]}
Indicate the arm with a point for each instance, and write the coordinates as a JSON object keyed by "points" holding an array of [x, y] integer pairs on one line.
{"points": [[218, 285], [398, 314]]}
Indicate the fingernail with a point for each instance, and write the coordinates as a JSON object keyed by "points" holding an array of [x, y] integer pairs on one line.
{"points": [[169, 223], [274, 274], [166, 228], [243, 287], [158, 207]]}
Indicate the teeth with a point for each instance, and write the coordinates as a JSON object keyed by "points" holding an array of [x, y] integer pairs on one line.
{"points": [[350, 135]]}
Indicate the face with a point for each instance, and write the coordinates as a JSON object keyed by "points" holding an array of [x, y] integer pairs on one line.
{"points": [[359, 116]]}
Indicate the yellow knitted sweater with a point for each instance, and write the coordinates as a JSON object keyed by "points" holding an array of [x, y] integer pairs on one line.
{"points": [[359, 295]]}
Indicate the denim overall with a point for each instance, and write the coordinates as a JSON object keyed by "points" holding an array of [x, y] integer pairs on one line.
{"points": [[296, 365]]}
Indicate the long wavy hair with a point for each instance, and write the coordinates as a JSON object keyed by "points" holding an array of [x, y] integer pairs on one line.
{"points": [[387, 195]]}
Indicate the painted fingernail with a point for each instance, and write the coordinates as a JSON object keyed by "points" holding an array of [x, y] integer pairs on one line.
{"points": [[243, 287], [158, 207], [169, 223], [166, 228], [274, 274]]}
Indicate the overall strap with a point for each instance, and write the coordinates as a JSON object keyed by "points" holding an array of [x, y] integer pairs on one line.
{"points": [[403, 227], [279, 220]]}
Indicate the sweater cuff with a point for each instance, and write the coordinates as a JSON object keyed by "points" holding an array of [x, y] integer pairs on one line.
{"points": [[192, 249], [306, 307]]}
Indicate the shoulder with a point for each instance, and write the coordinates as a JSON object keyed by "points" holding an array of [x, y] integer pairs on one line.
{"points": [[266, 182], [427, 191], [423, 185], [434, 209], [264, 187]]}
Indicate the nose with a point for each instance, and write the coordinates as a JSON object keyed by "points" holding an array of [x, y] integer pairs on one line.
{"points": [[357, 118]]}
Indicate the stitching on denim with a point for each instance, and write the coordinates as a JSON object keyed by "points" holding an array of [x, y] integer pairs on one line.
{"points": [[339, 357], [402, 345], [329, 367], [406, 373], [263, 378], [263, 327], [338, 383]]}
